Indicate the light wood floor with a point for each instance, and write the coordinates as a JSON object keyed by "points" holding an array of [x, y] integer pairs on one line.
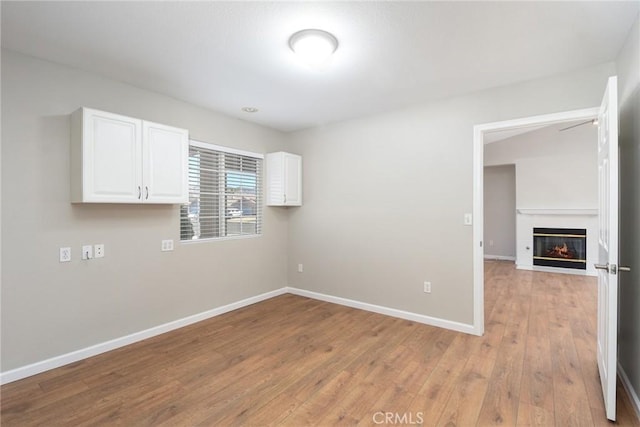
{"points": [[294, 361]]}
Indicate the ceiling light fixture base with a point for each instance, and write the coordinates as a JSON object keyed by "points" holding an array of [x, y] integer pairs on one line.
{"points": [[313, 46]]}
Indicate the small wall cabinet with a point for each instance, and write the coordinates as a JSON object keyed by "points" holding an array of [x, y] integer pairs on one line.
{"points": [[284, 179], [119, 159]]}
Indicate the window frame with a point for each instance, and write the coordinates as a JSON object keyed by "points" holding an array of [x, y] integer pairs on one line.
{"points": [[222, 150]]}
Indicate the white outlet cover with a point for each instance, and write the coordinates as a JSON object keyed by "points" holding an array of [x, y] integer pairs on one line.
{"points": [[65, 254], [167, 245], [98, 250]]}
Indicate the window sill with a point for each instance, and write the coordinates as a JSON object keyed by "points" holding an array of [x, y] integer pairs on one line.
{"points": [[220, 239]]}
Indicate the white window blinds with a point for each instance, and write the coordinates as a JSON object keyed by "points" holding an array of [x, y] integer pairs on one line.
{"points": [[225, 193]]}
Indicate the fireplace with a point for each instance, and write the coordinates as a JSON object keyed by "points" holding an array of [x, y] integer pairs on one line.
{"points": [[560, 247]]}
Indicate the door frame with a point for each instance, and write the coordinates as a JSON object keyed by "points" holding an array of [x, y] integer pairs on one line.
{"points": [[478, 192]]}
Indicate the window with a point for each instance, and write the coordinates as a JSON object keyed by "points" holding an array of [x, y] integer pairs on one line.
{"points": [[225, 193]]}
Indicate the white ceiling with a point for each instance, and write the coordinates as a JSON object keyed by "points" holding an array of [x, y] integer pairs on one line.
{"points": [[228, 55]]}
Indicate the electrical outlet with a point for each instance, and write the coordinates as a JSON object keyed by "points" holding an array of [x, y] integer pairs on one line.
{"points": [[87, 252], [65, 254], [98, 250], [468, 219], [300, 268], [427, 287], [167, 245]]}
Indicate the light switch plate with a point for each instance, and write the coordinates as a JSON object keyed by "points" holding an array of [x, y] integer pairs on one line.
{"points": [[427, 287], [468, 219]]}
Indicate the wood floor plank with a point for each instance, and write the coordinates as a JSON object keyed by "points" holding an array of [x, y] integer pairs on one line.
{"points": [[313, 409], [465, 401], [501, 400], [537, 379], [431, 400], [534, 416], [294, 361], [570, 396]]}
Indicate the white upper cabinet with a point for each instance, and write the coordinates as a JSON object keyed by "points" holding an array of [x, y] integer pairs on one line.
{"points": [[284, 179], [119, 159]]}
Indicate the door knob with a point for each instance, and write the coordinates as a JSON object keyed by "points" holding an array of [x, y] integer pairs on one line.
{"points": [[623, 268], [602, 266]]}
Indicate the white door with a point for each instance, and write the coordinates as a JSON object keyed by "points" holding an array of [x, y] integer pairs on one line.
{"points": [[112, 157], [293, 180], [165, 159], [608, 245]]}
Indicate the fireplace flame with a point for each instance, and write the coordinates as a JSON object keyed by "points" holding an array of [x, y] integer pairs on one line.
{"points": [[560, 252]]}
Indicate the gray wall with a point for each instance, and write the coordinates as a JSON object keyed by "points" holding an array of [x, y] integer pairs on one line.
{"points": [[385, 196], [628, 65], [51, 308], [500, 211], [554, 169]]}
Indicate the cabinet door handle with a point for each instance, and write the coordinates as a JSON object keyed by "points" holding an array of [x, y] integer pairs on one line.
{"points": [[285, 198], [139, 192], [146, 189]]}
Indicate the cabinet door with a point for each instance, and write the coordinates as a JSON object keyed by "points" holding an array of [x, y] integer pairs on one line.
{"points": [[165, 157], [275, 179], [292, 179], [111, 156]]}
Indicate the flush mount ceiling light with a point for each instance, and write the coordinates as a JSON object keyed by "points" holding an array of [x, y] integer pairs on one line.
{"points": [[312, 46], [249, 109]]}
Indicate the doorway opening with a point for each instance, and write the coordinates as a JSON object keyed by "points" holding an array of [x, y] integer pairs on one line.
{"points": [[481, 132]]}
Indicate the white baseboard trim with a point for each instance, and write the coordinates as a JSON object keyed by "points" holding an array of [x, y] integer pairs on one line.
{"points": [[74, 356], [500, 257], [419, 318], [94, 350], [633, 395]]}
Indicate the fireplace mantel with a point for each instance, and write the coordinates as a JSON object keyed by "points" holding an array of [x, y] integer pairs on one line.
{"points": [[529, 218], [534, 211]]}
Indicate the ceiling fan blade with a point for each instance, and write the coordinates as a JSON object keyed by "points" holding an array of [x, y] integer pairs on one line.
{"points": [[575, 126]]}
